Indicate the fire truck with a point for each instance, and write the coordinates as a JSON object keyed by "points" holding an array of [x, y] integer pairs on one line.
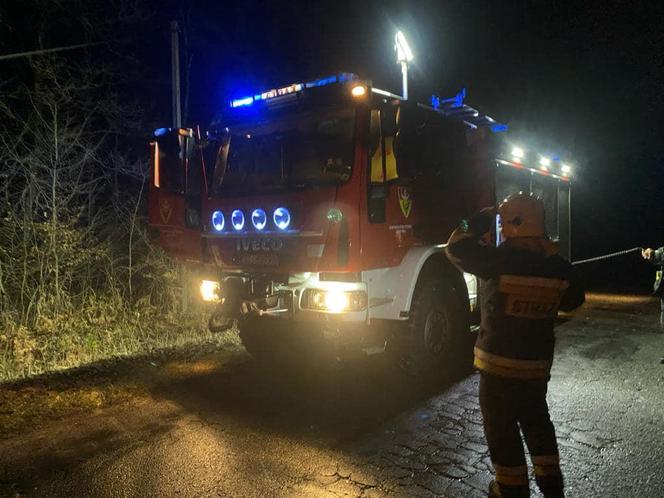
{"points": [[314, 215]]}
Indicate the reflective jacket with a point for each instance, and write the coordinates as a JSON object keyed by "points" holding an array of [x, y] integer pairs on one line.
{"points": [[523, 284], [657, 258]]}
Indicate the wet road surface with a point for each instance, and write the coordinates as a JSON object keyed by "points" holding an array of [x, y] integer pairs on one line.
{"points": [[226, 428]]}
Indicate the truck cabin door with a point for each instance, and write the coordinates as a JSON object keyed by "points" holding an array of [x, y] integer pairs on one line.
{"points": [[387, 228]]}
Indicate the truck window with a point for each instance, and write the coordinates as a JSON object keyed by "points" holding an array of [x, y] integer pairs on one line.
{"points": [[512, 180], [546, 188], [382, 133], [304, 150]]}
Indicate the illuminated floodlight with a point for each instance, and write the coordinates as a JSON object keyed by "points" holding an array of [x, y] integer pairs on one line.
{"points": [[281, 218], [218, 221], [518, 152], [545, 162], [566, 169], [404, 53], [237, 220], [258, 219], [359, 91]]}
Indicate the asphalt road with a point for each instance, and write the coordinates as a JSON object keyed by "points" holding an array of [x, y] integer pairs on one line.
{"points": [[226, 428]]}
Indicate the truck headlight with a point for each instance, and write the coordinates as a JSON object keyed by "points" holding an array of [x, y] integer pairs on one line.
{"points": [[334, 300], [210, 291]]}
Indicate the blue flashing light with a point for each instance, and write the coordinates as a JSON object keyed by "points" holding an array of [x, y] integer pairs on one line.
{"points": [[321, 82], [237, 219], [160, 132], [498, 128], [218, 221], [242, 102], [294, 88], [457, 100], [281, 218], [259, 219]]}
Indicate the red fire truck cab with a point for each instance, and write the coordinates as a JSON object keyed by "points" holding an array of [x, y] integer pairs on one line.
{"points": [[316, 213]]}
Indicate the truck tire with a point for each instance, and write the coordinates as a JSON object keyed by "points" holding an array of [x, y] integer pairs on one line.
{"points": [[439, 331]]}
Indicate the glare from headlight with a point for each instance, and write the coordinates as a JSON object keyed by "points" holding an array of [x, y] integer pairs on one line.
{"points": [[210, 291], [336, 300]]}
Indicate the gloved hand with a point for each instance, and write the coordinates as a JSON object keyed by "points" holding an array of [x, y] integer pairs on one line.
{"points": [[483, 221]]}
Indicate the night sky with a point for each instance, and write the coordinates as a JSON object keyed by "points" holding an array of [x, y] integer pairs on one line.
{"points": [[583, 80]]}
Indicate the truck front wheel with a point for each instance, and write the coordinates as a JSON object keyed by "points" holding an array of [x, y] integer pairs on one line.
{"points": [[438, 330]]}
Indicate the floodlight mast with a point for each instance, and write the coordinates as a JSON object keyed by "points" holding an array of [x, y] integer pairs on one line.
{"points": [[404, 56]]}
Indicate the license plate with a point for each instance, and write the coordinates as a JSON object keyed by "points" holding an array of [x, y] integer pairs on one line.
{"points": [[259, 259]]}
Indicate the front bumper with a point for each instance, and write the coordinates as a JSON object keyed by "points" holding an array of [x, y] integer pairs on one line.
{"points": [[303, 298]]}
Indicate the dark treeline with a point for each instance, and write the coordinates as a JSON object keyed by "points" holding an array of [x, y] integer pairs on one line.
{"points": [[79, 280]]}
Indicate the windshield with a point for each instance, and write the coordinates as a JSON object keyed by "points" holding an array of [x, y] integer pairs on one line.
{"points": [[314, 149]]}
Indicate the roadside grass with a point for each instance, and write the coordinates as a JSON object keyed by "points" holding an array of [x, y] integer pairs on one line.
{"points": [[97, 330]]}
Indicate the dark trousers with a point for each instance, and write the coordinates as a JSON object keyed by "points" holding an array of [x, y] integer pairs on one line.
{"points": [[509, 407]]}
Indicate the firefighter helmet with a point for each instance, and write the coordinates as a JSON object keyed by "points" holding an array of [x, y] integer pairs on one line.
{"points": [[522, 215]]}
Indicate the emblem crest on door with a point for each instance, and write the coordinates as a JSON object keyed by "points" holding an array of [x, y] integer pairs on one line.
{"points": [[405, 202], [165, 210]]}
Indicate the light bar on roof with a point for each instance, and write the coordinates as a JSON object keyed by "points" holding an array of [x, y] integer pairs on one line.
{"points": [[278, 92], [242, 102], [321, 82], [290, 89]]}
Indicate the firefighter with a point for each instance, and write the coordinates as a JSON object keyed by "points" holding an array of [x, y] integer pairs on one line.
{"points": [[523, 283], [656, 256]]}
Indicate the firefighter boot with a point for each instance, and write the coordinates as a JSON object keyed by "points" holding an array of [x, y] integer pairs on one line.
{"points": [[494, 490], [501, 491], [551, 488]]}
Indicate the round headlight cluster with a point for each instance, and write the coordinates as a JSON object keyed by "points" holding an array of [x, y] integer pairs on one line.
{"points": [[218, 221], [237, 219], [258, 219], [280, 216]]}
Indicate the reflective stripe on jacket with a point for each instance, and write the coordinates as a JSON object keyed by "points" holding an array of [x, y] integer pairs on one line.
{"points": [[523, 284]]}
